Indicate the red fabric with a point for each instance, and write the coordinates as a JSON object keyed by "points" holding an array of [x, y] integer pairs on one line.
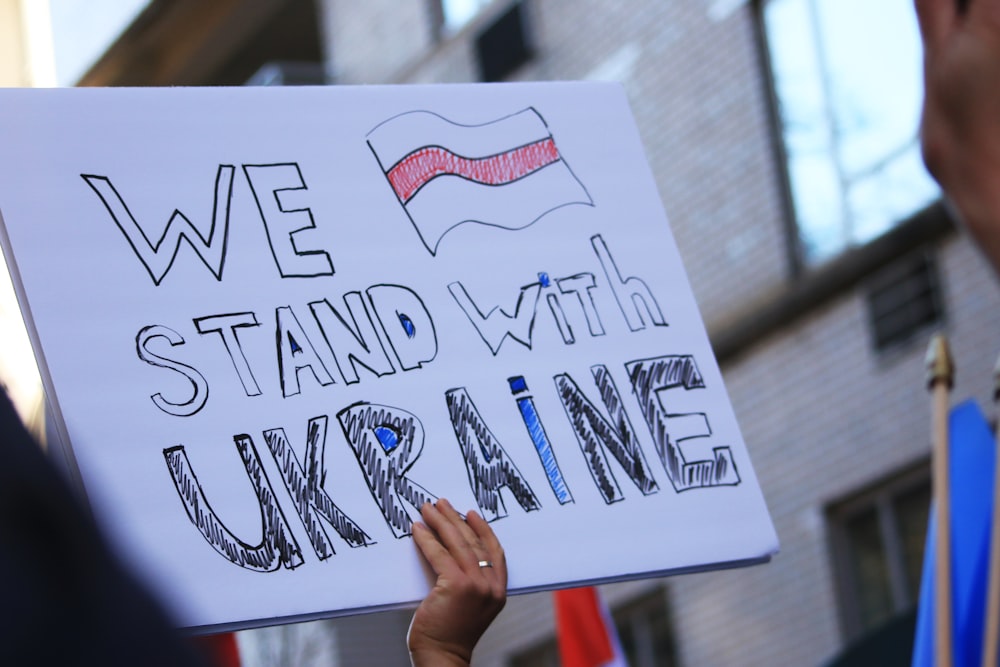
{"points": [[219, 650], [584, 638]]}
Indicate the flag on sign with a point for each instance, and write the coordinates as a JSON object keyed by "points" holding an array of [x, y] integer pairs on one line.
{"points": [[507, 173], [586, 633], [971, 454]]}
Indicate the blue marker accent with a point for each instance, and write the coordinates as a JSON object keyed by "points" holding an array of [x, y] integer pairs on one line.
{"points": [[517, 384], [541, 441], [296, 348], [543, 278], [407, 324], [387, 437]]}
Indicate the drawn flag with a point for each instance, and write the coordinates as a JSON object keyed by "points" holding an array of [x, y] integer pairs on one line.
{"points": [[507, 173], [585, 631], [971, 483]]}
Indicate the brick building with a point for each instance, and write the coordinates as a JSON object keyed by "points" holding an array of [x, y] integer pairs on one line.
{"points": [[821, 342], [815, 246]]}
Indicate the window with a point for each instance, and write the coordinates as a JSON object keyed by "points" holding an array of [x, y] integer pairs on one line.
{"points": [[643, 627], [878, 545], [453, 15], [904, 300], [644, 631], [504, 45], [848, 87]]}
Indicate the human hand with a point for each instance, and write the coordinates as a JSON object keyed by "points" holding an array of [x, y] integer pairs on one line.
{"points": [[467, 596], [960, 129]]}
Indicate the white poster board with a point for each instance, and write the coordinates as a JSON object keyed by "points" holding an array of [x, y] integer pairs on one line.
{"points": [[272, 322]]}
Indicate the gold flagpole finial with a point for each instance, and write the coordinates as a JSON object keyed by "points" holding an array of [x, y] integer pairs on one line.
{"points": [[940, 367]]}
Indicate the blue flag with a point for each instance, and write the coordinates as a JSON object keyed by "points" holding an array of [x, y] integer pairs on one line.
{"points": [[972, 453]]}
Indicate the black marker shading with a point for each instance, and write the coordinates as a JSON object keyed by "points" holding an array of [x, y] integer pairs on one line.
{"points": [[387, 442], [306, 488], [595, 434], [277, 546], [488, 465], [651, 376]]}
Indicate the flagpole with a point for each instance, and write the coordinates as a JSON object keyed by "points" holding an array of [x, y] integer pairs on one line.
{"points": [[990, 627], [940, 377]]}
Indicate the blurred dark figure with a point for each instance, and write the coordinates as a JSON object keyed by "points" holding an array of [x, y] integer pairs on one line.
{"points": [[64, 597]]}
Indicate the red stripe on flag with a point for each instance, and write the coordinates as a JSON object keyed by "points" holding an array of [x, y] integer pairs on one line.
{"points": [[584, 639], [416, 169]]}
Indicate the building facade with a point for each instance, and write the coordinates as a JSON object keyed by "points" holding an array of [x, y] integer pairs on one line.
{"points": [[821, 334], [817, 249]]}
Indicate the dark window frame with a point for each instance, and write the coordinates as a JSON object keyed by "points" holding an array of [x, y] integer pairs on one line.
{"points": [[881, 497], [795, 253], [905, 301]]}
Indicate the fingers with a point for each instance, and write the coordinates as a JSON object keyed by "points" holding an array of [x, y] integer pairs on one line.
{"points": [[458, 544], [937, 21], [460, 540], [465, 597], [488, 538], [435, 553]]}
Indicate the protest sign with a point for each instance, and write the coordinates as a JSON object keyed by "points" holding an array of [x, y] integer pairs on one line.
{"points": [[272, 323]]}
